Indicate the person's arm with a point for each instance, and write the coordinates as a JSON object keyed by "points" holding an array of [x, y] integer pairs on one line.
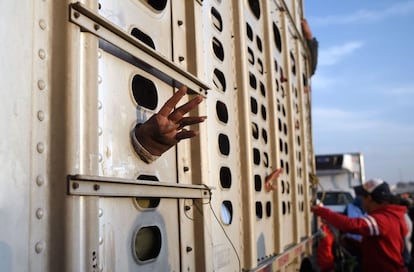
{"points": [[313, 48], [313, 45], [366, 225], [166, 128], [270, 181]]}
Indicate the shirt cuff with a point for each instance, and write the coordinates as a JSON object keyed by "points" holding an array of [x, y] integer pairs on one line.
{"points": [[143, 153]]}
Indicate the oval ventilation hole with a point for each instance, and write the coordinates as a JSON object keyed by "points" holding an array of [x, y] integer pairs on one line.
{"points": [[147, 243], [224, 144], [259, 210], [268, 208], [143, 37], [292, 58], [264, 135], [276, 67], [265, 159], [226, 212], [225, 177], [158, 5], [253, 105], [249, 32], [277, 38], [216, 19], [218, 49], [256, 156], [252, 81], [264, 112], [255, 131], [255, 8], [222, 112], [250, 55], [144, 92], [219, 80], [257, 183], [260, 66], [262, 89], [148, 202], [259, 43]]}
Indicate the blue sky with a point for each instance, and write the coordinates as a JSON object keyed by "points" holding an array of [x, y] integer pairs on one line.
{"points": [[363, 88]]}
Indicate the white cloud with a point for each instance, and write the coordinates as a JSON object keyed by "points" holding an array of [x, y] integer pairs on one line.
{"points": [[367, 16], [335, 54]]}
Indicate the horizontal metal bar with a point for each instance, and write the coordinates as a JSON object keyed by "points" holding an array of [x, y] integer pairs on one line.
{"points": [[279, 261], [117, 187], [161, 67]]}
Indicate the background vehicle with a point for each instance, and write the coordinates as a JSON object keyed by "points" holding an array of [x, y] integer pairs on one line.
{"points": [[340, 172], [77, 76], [335, 200]]}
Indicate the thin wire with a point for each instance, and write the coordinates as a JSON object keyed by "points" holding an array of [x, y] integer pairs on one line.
{"points": [[221, 226]]}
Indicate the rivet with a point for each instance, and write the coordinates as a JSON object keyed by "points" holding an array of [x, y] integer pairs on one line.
{"points": [[100, 157], [40, 115], [188, 249], [99, 54], [99, 79], [39, 213], [99, 131], [100, 240], [186, 168], [76, 15], [42, 24], [180, 22], [99, 105], [180, 58], [40, 180], [187, 208], [42, 54], [96, 187], [100, 212], [40, 147], [39, 247], [96, 27], [75, 185], [41, 84]]}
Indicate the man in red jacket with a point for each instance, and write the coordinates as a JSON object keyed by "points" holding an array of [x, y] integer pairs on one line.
{"points": [[382, 228]]}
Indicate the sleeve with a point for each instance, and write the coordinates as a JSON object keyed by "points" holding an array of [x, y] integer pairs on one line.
{"points": [[143, 153], [366, 225], [313, 47]]}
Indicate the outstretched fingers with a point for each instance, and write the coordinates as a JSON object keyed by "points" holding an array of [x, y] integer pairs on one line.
{"points": [[188, 121], [172, 102], [269, 181], [178, 113], [185, 134]]}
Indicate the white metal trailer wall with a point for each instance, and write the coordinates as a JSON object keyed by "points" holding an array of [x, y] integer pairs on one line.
{"points": [[89, 76]]}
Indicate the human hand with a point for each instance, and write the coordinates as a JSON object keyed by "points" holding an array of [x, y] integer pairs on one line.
{"points": [[269, 181], [317, 208], [165, 129], [306, 29]]}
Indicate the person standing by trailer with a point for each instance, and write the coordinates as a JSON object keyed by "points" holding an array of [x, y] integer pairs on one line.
{"points": [[382, 228]]}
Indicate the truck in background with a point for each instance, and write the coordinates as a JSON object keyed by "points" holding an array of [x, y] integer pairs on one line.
{"points": [[76, 78], [337, 175]]}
